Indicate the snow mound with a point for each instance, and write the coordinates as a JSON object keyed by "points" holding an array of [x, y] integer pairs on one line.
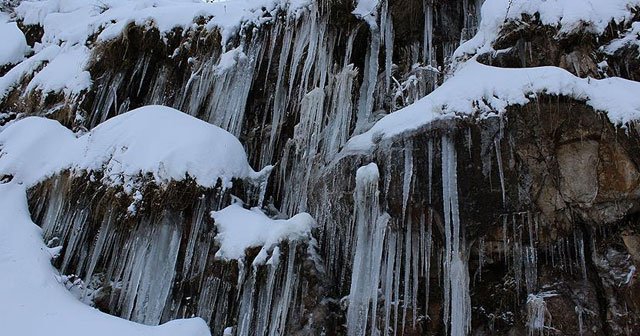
{"points": [[35, 303], [35, 148], [166, 143], [65, 72], [568, 15], [14, 44], [240, 228], [480, 90], [156, 140]]}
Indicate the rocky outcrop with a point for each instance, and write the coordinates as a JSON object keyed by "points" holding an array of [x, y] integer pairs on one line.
{"points": [[515, 223]]}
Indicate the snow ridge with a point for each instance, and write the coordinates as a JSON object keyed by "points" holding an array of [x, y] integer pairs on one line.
{"points": [[478, 90], [156, 140], [567, 15]]}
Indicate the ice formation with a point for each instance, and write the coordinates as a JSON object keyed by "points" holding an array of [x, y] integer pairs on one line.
{"points": [[251, 271], [370, 229], [35, 303], [457, 302]]}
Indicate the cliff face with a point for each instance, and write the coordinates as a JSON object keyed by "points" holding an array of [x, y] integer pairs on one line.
{"points": [[426, 178]]}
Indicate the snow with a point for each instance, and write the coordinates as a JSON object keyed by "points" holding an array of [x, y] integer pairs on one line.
{"points": [[34, 148], [367, 10], [74, 21], [70, 25], [240, 228], [229, 60], [568, 15], [630, 38], [35, 302], [156, 140], [14, 44], [65, 73], [480, 90]]}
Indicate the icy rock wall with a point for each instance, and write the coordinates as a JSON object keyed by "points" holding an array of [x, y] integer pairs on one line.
{"points": [[152, 258], [482, 214], [525, 230]]}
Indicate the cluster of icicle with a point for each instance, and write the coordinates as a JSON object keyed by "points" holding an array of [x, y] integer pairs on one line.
{"points": [[323, 102], [383, 252], [163, 267]]}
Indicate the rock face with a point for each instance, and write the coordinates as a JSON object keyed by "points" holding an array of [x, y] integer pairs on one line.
{"points": [[517, 223]]}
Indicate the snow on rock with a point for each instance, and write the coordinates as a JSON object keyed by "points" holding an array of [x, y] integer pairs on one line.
{"points": [[367, 10], [166, 143], [35, 148], [69, 24], [14, 44], [74, 21], [34, 302], [568, 15], [153, 140], [66, 72], [240, 228], [630, 38], [480, 90]]}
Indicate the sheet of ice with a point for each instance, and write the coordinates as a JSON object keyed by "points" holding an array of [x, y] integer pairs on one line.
{"points": [[480, 90], [155, 140], [567, 15], [14, 44], [35, 303], [240, 228]]}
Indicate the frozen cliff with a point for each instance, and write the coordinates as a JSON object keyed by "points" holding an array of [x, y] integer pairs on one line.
{"points": [[276, 167]]}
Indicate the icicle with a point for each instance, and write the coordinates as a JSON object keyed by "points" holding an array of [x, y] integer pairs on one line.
{"points": [[408, 174], [339, 117], [505, 240], [149, 270], [430, 167], [457, 302], [415, 252], [583, 261], [279, 314], [427, 262], [517, 256], [388, 282], [396, 284], [427, 52], [266, 305], [246, 308], [305, 143], [537, 312], [222, 86], [386, 26], [407, 272], [501, 172], [531, 268], [370, 75], [370, 227]]}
